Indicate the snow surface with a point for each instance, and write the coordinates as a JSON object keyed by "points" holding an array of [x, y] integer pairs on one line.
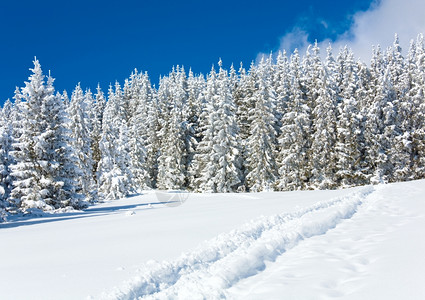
{"points": [[359, 243]]}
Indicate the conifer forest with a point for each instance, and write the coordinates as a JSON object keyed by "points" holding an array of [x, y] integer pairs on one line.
{"points": [[292, 121]]}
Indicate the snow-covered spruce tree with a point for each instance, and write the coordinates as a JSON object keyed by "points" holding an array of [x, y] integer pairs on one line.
{"points": [[242, 95], [171, 160], [7, 111], [204, 137], [227, 142], [24, 165], [261, 143], [199, 171], [379, 131], [365, 95], [388, 89], [281, 85], [81, 118], [198, 123], [16, 115], [15, 122], [242, 91], [189, 93], [325, 96], [64, 169], [349, 126], [294, 140], [65, 99], [6, 141], [418, 98], [96, 133], [403, 80], [153, 142], [114, 173], [108, 189], [217, 160], [189, 112], [278, 106], [140, 96], [44, 169], [179, 98], [195, 103], [5, 159]]}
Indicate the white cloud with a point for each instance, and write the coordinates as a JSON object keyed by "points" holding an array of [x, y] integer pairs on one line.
{"points": [[372, 27], [297, 38], [379, 24]]}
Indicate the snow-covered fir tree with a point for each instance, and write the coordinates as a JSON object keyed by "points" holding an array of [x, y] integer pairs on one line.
{"points": [[281, 84], [96, 132], [349, 125], [217, 161], [81, 119], [377, 134], [115, 177], [195, 102], [403, 75], [153, 142], [5, 158], [262, 141], [140, 99], [418, 99], [172, 154], [44, 168], [325, 97], [294, 140]]}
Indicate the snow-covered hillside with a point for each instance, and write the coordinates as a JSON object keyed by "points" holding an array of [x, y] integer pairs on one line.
{"points": [[359, 243]]}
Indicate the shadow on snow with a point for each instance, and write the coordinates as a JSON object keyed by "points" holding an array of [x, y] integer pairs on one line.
{"points": [[93, 211]]}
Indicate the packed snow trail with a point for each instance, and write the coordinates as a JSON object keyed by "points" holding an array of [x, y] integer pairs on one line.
{"points": [[376, 254], [223, 261]]}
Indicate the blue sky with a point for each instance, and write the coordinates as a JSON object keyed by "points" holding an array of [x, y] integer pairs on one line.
{"points": [[100, 41]]}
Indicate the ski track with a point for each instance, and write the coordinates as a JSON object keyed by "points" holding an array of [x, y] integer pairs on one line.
{"points": [[218, 264]]}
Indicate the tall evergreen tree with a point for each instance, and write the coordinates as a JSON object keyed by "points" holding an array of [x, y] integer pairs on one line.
{"points": [[243, 96], [153, 142], [418, 99], [281, 84], [403, 81], [378, 131], [171, 160], [44, 168], [349, 126], [96, 133], [322, 151], [218, 161], [5, 158], [262, 142], [296, 130], [141, 99], [115, 177], [81, 118]]}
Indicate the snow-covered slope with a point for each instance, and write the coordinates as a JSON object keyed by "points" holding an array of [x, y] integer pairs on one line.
{"points": [[378, 253], [364, 242]]}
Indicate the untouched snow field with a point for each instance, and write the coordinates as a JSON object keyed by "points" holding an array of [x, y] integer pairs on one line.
{"points": [[359, 243]]}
